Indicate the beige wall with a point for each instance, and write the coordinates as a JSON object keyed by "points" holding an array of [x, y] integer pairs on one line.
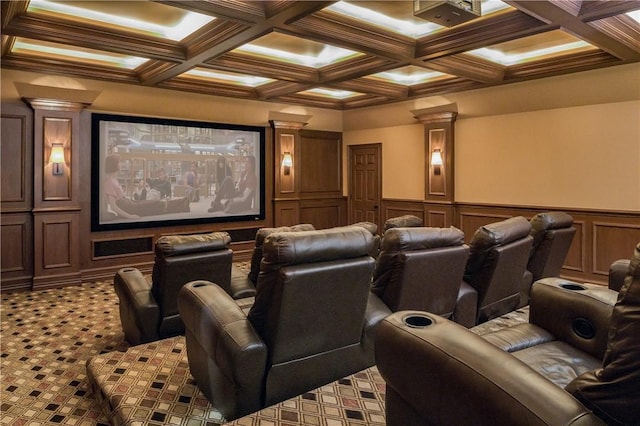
{"points": [[580, 157], [582, 153]]}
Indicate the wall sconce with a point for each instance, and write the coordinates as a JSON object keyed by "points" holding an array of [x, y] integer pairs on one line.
{"points": [[56, 159], [287, 163], [436, 162]]}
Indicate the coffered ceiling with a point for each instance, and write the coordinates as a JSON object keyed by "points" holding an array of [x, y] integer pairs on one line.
{"points": [[339, 55]]}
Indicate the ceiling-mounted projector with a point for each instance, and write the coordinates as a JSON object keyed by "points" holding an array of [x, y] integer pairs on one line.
{"points": [[447, 12]]}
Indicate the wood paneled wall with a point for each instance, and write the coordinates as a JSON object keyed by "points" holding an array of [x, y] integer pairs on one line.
{"points": [[601, 237], [312, 191], [16, 223]]}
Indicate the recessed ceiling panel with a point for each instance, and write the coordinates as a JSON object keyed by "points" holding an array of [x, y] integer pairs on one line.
{"points": [[398, 17], [226, 77], [46, 50], [540, 46], [299, 51], [331, 93], [410, 75], [150, 18]]}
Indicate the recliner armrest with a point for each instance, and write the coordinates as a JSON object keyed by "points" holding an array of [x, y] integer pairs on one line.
{"points": [[617, 271], [575, 313], [139, 311], [221, 338], [448, 375]]}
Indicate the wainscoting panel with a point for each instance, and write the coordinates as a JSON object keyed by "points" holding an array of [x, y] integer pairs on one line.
{"points": [[612, 240], [325, 213], [56, 249], [395, 208], [16, 237]]}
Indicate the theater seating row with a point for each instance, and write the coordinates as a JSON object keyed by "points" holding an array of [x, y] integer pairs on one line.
{"points": [[320, 296], [576, 362]]}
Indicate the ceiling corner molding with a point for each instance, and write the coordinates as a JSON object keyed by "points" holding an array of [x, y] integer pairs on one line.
{"points": [[284, 120], [436, 114], [55, 98]]}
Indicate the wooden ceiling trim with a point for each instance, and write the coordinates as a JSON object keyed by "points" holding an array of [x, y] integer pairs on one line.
{"points": [[592, 10], [557, 66], [210, 35], [7, 44], [621, 28], [210, 88], [311, 101], [10, 10], [481, 33], [364, 101], [67, 68], [354, 68], [334, 29], [294, 11], [150, 68], [252, 65], [468, 66], [550, 12], [443, 87], [91, 37], [374, 87], [280, 88], [233, 10]]}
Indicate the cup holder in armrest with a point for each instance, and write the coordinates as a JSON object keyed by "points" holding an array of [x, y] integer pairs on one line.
{"points": [[573, 286], [583, 328], [417, 321]]}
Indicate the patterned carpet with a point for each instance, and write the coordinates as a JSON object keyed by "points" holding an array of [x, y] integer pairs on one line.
{"points": [[48, 337]]}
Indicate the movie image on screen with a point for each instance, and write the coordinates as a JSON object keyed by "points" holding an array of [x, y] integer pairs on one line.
{"points": [[158, 172]]}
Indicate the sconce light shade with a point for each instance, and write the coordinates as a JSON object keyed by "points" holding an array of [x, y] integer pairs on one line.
{"points": [[56, 159], [287, 163], [436, 161]]}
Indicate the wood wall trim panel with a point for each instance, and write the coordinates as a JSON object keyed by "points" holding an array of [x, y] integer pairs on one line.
{"points": [[14, 159], [612, 241]]}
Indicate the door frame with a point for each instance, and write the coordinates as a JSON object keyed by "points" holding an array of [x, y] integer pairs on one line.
{"points": [[378, 147]]}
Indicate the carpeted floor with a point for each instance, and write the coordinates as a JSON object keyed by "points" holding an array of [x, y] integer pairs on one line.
{"points": [[48, 336]]}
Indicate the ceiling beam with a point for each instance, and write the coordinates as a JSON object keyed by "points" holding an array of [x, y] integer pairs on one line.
{"points": [[551, 13], [296, 10]]}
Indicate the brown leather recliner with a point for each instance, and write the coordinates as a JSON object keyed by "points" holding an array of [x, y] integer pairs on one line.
{"points": [[149, 311], [244, 284], [405, 221], [421, 269], [579, 355], [313, 322], [498, 258], [552, 234]]}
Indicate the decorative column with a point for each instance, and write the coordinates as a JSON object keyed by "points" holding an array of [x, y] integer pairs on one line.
{"points": [[56, 183], [286, 200], [439, 165]]}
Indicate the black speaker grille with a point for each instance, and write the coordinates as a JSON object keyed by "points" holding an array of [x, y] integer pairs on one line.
{"points": [[120, 247]]}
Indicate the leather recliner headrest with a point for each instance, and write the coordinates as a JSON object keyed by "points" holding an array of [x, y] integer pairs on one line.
{"points": [[265, 232], [405, 239], [405, 221], [501, 233], [290, 248], [369, 226], [546, 221], [175, 245], [551, 220]]}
